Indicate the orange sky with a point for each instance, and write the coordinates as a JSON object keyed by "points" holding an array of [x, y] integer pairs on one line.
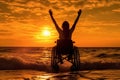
{"points": [[22, 22]]}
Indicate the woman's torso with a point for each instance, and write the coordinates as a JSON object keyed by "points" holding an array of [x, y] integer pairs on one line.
{"points": [[63, 35]]}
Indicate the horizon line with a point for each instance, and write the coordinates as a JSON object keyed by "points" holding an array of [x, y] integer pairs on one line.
{"points": [[77, 46]]}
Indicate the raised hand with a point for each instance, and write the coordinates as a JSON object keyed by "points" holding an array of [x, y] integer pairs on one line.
{"points": [[56, 25], [50, 12], [76, 20], [79, 12]]}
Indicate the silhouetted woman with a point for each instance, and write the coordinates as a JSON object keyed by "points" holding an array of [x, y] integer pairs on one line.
{"points": [[65, 33]]}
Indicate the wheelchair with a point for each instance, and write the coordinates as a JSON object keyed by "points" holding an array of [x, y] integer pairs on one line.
{"points": [[65, 50]]}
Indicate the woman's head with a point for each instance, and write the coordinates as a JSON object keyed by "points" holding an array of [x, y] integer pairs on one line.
{"points": [[65, 25]]}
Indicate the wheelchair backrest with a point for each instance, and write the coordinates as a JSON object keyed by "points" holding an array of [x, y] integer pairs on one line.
{"points": [[65, 43]]}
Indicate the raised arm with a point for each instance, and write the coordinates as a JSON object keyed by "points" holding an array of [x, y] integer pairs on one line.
{"points": [[73, 27], [51, 15]]}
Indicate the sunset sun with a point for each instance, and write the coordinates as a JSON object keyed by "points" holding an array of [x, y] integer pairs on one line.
{"points": [[46, 33]]}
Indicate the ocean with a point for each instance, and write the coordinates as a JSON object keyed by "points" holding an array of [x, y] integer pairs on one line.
{"points": [[34, 63]]}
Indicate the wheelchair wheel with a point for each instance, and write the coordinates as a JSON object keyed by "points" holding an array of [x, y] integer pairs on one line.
{"points": [[54, 60], [76, 60]]}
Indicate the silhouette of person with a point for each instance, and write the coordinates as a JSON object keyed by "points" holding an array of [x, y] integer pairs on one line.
{"points": [[65, 33]]}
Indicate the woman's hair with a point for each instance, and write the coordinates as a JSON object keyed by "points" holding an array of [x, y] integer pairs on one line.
{"points": [[65, 25]]}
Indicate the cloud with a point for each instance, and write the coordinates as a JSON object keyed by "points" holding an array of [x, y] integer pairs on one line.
{"points": [[91, 29], [116, 10], [31, 9], [90, 4], [22, 17], [4, 8], [101, 23], [4, 32]]}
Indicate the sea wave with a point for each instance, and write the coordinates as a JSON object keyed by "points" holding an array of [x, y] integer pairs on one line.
{"points": [[39, 59], [17, 63]]}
